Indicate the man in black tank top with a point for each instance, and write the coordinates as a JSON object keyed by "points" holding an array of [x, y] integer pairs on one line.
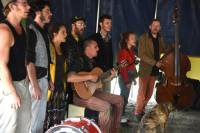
{"points": [[15, 104]]}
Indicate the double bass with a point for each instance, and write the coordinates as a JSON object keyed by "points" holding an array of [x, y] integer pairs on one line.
{"points": [[175, 88]]}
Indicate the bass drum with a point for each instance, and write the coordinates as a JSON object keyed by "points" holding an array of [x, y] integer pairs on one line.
{"points": [[76, 125], [63, 129]]}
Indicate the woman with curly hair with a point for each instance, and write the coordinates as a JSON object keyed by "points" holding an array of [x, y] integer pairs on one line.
{"points": [[127, 73]]}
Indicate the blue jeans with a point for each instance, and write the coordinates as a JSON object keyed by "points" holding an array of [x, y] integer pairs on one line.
{"points": [[124, 91], [39, 107]]}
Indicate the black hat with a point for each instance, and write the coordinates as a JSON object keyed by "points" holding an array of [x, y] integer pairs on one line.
{"points": [[77, 18]]}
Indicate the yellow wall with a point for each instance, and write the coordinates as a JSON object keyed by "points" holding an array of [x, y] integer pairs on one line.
{"points": [[195, 68]]}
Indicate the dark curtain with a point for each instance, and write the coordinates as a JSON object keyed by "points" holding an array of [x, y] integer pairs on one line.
{"points": [[1, 13], [135, 15], [64, 10], [190, 26]]}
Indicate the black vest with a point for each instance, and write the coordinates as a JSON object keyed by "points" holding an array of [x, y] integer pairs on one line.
{"points": [[16, 62]]}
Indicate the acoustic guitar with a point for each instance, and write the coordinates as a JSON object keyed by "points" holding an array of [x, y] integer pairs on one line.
{"points": [[87, 88]]}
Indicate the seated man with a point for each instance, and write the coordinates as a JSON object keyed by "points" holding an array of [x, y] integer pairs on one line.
{"points": [[108, 105]]}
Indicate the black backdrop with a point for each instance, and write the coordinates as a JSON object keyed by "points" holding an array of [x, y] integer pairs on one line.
{"points": [[135, 15]]}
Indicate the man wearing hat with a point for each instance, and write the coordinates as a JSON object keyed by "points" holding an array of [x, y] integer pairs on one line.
{"points": [[15, 104], [72, 48]]}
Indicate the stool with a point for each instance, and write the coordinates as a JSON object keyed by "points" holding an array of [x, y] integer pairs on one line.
{"points": [[76, 111]]}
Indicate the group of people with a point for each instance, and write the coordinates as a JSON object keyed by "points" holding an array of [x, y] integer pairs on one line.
{"points": [[33, 61]]}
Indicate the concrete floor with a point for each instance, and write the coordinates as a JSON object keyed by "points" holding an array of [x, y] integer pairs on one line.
{"points": [[178, 122]]}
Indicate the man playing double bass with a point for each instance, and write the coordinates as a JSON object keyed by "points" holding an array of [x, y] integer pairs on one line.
{"points": [[151, 45]]}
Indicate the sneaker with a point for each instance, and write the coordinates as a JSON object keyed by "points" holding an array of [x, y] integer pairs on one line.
{"points": [[124, 119]]}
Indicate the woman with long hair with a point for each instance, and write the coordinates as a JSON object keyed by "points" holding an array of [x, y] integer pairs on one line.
{"points": [[127, 73], [56, 108]]}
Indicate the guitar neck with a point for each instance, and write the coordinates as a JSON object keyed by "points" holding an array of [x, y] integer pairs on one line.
{"points": [[106, 74]]}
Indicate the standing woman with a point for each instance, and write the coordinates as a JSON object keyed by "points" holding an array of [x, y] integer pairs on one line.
{"points": [[127, 73], [57, 101]]}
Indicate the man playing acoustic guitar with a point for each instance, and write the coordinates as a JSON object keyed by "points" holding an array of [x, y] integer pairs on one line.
{"points": [[108, 105]]}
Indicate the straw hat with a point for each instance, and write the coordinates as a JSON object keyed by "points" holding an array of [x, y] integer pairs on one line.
{"points": [[5, 2]]}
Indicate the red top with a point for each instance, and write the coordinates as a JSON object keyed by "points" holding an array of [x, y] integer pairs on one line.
{"points": [[129, 55]]}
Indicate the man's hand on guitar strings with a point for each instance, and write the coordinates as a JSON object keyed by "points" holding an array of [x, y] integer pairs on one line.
{"points": [[113, 74]]}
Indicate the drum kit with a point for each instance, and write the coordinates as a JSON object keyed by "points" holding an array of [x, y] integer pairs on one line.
{"points": [[75, 125]]}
